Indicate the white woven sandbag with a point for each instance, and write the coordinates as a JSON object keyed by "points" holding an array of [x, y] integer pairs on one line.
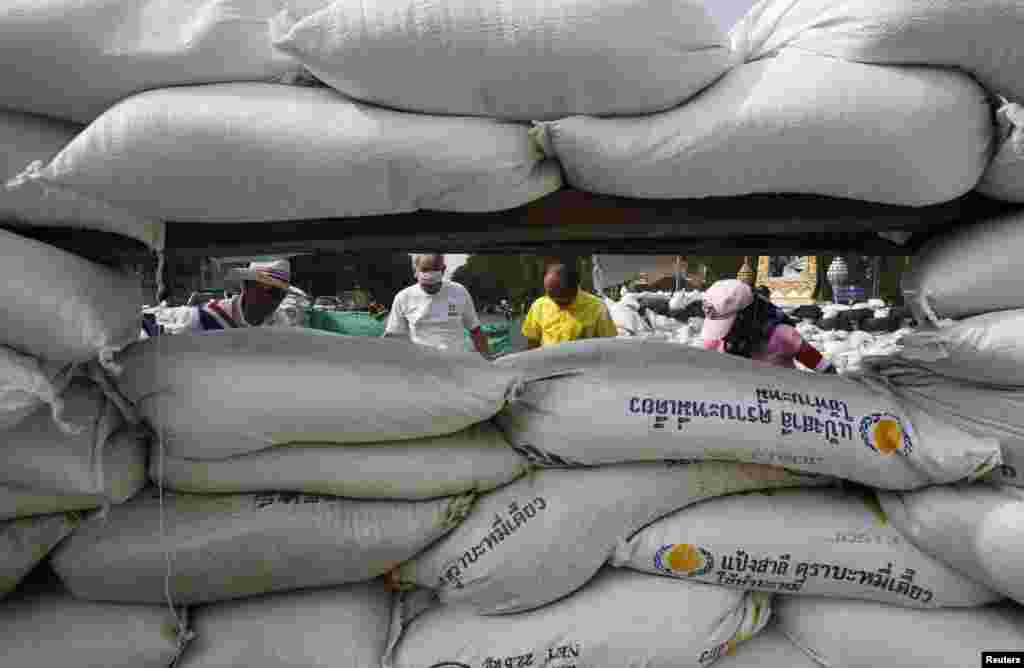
{"points": [[225, 393], [544, 536], [314, 154], [518, 60], [986, 412], [816, 542], [596, 402], [865, 634], [796, 123], [981, 37], [26, 138], [969, 271], [475, 459], [768, 649], [619, 619], [627, 320], [26, 542], [26, 385], [323, 628], [102, 459], [18, 502], [72, 59], [1004, 178], [223, 547], [61, 307], [977, 529], [44, 626], [987, 348]]}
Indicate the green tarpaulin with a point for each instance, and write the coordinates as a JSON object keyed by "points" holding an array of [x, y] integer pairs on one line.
{"points": [[357, 323], [350, 323]]}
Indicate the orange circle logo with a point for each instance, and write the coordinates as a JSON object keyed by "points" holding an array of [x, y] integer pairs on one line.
{"points": [[885, 434], [683, 559]]}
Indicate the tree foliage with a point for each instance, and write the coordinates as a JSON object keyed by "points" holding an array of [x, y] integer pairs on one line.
{"points": [[517, 278]]}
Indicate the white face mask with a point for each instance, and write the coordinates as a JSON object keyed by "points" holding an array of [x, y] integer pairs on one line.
{"points": [[429, 277]]}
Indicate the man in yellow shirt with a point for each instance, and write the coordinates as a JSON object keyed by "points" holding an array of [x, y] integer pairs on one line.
{"points": [[566, 313]]}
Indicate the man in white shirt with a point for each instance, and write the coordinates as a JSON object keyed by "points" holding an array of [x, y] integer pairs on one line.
{"points": [[435, 312]]}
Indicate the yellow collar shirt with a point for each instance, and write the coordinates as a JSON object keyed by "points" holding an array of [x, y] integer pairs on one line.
{"points": [[586, 318]]}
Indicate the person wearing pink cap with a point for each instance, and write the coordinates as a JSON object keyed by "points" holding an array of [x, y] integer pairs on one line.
{"points": [[740, 322]]}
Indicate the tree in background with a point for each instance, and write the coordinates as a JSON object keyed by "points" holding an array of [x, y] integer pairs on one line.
{"points": [[382, 274], [517, 278]]}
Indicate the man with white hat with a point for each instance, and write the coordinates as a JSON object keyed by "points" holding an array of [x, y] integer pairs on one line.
{"points": [[264, 287]]}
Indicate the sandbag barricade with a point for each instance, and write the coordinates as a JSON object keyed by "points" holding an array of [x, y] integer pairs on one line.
{"points": [[796, 123], [226, 393], [875, 634], [621, 618], [223, 547], [984, 411], [26, 542], [976, 529], [1004, 178], [314, 154], [335, 626], [573, 57], [987, 348], [26, 385], [72, 59], [610, 401], [104, 459], [477, 459], [982, 37], [43, 625], [26, 138], [990, 249], [59, 307], [546, 535], [815, 542]]}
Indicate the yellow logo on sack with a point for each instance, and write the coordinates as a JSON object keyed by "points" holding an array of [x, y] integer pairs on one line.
{"points": [[885, 434], [684, 559]]}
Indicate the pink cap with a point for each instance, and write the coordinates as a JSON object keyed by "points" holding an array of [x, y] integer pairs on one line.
{"points": [[722, 301]]}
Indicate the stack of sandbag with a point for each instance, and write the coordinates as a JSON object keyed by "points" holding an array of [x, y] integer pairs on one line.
{"points": [[860, 634], [966, 365], [620, 618], [969, 271], [346, 625], [300, 410], [546, 535], [980, 38], [626, 314], [976, 529], [73, 59], [155, 145], [315, 154], [41, 624], [982, 410], [607, 401], [797, 122], [208, 548], [26, 542], [58, 307], [27, 137], [474, 459], [815, 542], [26, 385], [94, 460], [517, 60]]}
